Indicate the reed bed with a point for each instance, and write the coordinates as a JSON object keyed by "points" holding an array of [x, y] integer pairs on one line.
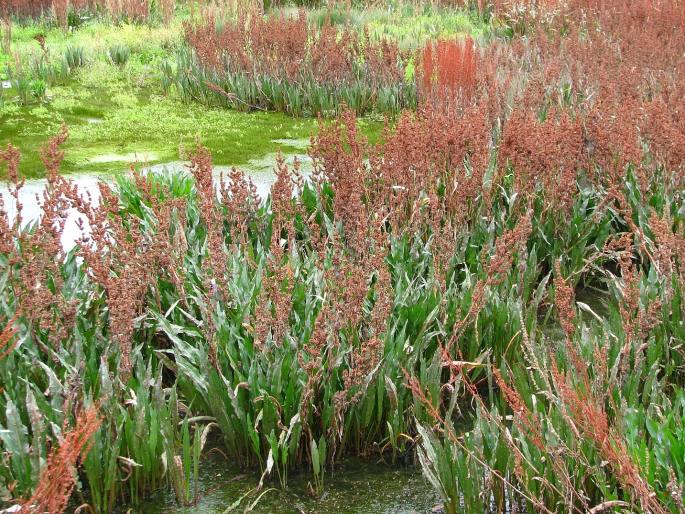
{"points": [[441, 274]]}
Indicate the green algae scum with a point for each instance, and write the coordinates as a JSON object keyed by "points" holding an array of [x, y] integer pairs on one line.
{"points": [[120, 114], [151, 131]]}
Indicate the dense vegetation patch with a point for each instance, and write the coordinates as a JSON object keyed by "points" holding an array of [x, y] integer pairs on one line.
{"points": [[509, 254]]}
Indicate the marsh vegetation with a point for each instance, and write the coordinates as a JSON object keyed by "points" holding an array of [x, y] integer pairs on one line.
{"points": [[478, 276]]}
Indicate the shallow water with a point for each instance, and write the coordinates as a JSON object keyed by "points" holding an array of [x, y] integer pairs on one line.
{"points": [[259, 170], [127, 157], [355, 486]]}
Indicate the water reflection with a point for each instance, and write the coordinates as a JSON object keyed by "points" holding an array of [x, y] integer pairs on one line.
{"points": [[31, 195]]}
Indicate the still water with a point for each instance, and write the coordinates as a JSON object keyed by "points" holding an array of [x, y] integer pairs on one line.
{"points": [[354, 487], [259, 170]]}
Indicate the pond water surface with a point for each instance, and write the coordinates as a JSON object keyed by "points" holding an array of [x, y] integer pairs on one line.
{"points": [[259, 170], [355, 486]]}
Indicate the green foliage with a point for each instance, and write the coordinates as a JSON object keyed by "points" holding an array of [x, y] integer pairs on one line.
{"points": [[307, 96], [258, 319], [119, 54], [74, 57]]}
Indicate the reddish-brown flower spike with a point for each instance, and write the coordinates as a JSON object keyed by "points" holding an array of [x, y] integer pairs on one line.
{"points": [[52, 155], [564, 301], [6, 338], [58, 478]]}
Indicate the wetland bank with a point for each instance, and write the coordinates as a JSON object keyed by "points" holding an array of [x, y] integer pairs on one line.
{"points": [[342, 256]]}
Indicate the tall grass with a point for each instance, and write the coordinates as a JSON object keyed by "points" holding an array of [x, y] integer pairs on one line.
{"points": [[301, 356]]}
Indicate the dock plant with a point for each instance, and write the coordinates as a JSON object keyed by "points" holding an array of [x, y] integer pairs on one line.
{"points": [[494, 288], [286, 63]]}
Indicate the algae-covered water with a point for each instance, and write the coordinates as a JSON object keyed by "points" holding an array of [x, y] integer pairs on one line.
{"points": [[354, 486], [152, 129], [104, 137]]}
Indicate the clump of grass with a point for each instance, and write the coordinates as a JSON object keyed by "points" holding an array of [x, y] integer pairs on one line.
{"points": [[119, 54], [6, 26], [74, 57]]}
